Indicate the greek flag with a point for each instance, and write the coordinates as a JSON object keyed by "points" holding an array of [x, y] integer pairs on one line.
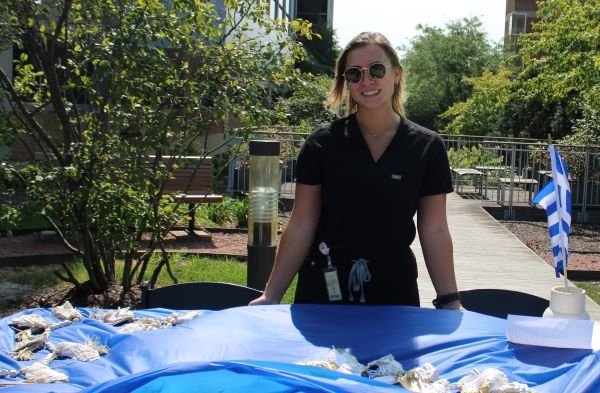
{"points": [[555, 198]]}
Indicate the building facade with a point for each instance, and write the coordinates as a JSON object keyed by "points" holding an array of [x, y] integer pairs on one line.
{"points": [[311, 10], [520, 15]]}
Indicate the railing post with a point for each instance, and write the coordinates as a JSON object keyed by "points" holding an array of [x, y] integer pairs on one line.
{"points": [[513, 169], [586, 172]]}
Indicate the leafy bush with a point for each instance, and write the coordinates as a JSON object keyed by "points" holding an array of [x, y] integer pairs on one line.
{"points": [[240, 212], [472, 157], [306, 104], [151, 91], [478, 115], [230, 213], [9, 215], [587, 129]]}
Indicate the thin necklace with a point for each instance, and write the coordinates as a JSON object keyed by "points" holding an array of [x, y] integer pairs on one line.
{"points": [[376, 134]]}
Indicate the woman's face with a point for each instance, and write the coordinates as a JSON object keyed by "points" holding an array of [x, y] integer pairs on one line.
{"points": [[372, 93]]}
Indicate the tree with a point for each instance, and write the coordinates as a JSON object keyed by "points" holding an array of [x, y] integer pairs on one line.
{"points": [[478, 115], [553, 82], [436, 63], [554, 76], [100, 86], [527, 115], [560, 62], [561, 54], [322, 51], [587, 128], [306, 104]]}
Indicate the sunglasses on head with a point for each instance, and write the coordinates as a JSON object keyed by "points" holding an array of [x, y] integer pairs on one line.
{"points": [[354, 75]]}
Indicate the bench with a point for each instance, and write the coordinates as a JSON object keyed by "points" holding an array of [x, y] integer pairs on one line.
{"points": [[476, 175], [192, 183]]}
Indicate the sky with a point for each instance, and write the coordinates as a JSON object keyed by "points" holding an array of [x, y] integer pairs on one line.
{"points": [[397, 19]]}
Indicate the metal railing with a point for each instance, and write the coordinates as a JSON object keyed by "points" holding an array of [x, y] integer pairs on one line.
{"points": [[522, 166], [513, 169], [291, 142]]}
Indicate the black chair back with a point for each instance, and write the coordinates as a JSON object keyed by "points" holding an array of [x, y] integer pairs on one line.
{"points": [[501, 302], [198, 296]]}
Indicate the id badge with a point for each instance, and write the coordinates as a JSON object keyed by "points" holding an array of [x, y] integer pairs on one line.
{"points": [[333, 283]]}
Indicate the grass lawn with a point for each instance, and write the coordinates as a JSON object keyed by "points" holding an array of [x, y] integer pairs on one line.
{"points": [[592, 289], [186, 268]]}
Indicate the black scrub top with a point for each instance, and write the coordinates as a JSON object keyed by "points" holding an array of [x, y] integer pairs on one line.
{"points": [[368, 207]]}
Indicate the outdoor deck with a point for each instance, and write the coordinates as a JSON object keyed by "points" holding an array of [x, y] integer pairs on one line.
{"points": [[487, 255]]}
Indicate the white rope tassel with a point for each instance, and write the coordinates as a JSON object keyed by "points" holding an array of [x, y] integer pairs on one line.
{"points": [[359, 274]]}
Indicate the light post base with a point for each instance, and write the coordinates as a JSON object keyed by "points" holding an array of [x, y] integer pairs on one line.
{"points": [[260, 264]]}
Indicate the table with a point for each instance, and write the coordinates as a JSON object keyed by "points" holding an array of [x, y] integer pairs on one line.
{"points": [[548, 174], [513, 181], [250, 346], [486, 169], [476, 175]]}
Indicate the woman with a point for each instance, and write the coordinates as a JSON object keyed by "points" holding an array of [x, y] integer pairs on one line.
{"points": [[360, 181]]}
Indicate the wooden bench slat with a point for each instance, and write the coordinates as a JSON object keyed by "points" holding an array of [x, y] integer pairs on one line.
{"points": [[196, 184], [196, 180], [201, 198]]}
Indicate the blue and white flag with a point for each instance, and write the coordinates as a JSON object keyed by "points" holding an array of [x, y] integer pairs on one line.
{"points": [[555, 198]]}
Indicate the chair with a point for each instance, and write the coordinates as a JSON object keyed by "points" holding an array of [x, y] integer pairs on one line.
{"points": [[501, 302], [198, 296]]}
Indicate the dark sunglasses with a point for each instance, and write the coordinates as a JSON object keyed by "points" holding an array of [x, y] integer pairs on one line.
{"points": [[354, 75]]}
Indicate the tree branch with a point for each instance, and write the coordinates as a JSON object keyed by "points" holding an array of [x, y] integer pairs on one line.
{"points": [[70, 277], [28, 117]]}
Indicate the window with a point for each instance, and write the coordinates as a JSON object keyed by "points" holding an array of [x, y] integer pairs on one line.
{"points": [[518, 24], [280, 9], [313, 10]]}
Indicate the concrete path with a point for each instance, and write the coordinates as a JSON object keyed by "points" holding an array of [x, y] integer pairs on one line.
{"points": [[487, 255]]}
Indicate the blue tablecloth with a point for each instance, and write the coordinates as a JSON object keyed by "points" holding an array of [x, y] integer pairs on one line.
{"points": [[257, 347]]}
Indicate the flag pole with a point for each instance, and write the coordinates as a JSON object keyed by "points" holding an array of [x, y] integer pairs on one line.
{"points": [[560, 228], [561, 232]]}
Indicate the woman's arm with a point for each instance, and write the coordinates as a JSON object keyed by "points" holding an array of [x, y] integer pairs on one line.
{"points": [[436, 243], [294, 244]]}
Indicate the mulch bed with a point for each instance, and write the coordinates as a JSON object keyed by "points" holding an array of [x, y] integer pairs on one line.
{"points": [[47, 248]]}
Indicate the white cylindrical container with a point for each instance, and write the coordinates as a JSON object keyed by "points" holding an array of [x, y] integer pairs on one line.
{"points": [[263, 214], [567, 303], [265, 175]]}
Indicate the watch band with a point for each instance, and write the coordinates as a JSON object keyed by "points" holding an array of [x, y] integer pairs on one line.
{"points": [[441, 301]]}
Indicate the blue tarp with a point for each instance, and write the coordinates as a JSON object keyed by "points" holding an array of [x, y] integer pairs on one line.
{"points": [[237, 348]]}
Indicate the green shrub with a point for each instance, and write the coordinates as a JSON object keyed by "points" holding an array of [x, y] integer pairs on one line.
{"points": [[230, 213], [240, 212], [475, 156], [472, 157]]}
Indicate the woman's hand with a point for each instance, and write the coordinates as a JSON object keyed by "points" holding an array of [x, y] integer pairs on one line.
{"points": [[262, 300], [455, 305]]}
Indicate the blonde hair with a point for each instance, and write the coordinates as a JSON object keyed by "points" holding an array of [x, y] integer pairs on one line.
{"points": [[338, 90]]}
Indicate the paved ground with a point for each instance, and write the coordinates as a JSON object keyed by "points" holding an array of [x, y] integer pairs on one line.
{"points": [[487, 255]]}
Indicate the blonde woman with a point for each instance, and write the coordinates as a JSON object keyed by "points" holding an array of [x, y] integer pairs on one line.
{"points": [[360, 181]]}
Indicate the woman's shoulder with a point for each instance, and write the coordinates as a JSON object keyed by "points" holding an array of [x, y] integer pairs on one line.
{"points": [[330, 127], [328, 130], [418, 135]]}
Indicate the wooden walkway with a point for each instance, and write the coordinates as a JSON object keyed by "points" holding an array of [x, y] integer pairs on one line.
{"points": [[487, 255]]}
